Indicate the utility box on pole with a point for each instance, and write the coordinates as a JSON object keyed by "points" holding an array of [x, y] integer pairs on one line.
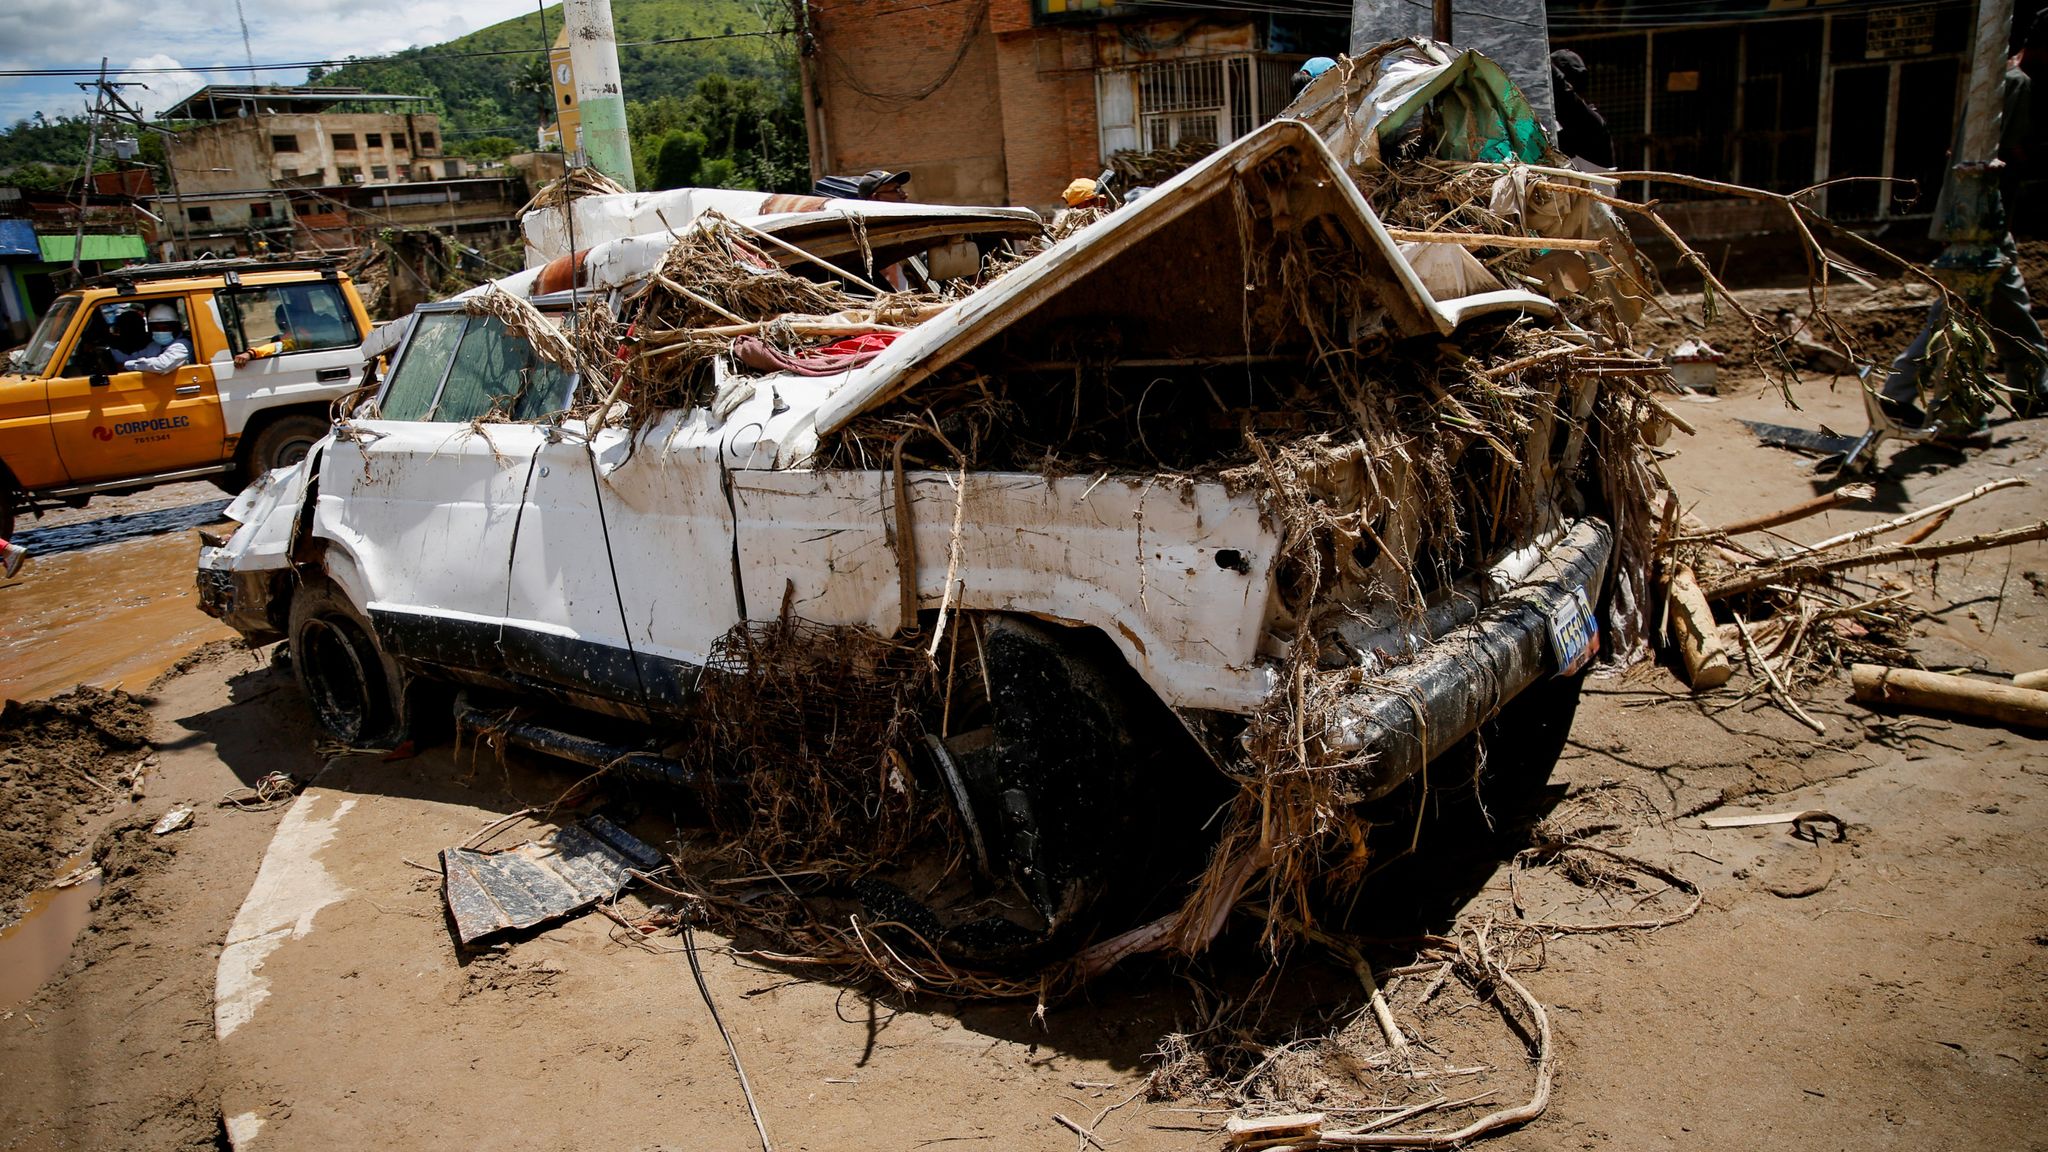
{"points": [[600, 99]]}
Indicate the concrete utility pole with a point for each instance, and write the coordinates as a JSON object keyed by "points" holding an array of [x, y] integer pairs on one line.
{"points": [[1974, 223], [594, 57]]}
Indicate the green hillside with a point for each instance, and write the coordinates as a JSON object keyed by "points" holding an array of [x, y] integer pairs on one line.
{"points": [[480, 96]]}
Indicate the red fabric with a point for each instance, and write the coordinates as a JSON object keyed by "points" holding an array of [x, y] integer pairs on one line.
{"points": [[824, 360]]}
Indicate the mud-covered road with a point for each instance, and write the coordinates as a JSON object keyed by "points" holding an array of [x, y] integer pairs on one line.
{"points": [[1886, 991], [107, 597]]}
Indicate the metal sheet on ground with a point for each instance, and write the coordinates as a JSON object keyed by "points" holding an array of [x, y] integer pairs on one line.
{"points": [[490, 892]]}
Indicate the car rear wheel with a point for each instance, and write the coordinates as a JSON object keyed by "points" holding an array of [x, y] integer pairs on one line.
{"points": [[357, 693], [284, 441]]}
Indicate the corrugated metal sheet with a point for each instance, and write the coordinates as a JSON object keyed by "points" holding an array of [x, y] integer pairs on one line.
{"points": [[490, 892], [18, 238]]}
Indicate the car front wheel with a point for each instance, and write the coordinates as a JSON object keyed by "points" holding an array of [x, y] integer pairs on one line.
{"points": [[357, 693]]}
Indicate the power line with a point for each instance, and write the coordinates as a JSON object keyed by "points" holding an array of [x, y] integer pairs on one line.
{"points": [[394, 58]]}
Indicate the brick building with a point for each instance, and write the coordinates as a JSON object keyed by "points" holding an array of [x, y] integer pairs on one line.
{"points": [[1005, 101]]}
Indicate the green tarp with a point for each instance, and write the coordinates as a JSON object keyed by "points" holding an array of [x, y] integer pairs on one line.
{"points": [[57, 249]]}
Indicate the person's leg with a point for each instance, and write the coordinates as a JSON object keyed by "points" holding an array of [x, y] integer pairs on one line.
{"points": [[11, 558], [1900, 395], [2017, 336]]}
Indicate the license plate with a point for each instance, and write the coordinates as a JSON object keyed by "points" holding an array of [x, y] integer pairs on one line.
{"points": [[1574, 635]]}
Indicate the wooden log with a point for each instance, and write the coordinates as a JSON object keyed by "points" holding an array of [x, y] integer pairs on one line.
{"points": [[2038, 681], [1692, 622], [1876, 530], [1845, 495], [1493, 240], [1805, 570], [1305, 1125], [1938, 692]]}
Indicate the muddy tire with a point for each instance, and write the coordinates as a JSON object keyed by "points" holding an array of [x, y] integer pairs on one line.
{"points": [[357, 693], [283, 441]]}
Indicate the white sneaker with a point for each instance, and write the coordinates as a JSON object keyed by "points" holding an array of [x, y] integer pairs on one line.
{"points": [[11, 558]]}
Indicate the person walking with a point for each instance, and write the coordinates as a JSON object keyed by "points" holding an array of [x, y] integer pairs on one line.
{"points": [[12, 556]]}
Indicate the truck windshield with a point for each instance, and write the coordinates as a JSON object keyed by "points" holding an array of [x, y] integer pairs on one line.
{"points": [[35, 359]]}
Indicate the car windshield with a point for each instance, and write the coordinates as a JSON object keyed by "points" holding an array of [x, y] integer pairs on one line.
{"points": [[35, 359]]}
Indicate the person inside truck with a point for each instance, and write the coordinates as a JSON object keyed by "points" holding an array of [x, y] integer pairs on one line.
{"points": [[172, 348], [285, 340], [130, 335]]}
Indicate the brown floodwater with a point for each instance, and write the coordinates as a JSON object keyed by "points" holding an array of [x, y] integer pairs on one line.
{"points": [[107, 595], [35, 946]]}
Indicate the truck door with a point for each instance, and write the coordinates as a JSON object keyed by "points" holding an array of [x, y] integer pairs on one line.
{"points": [[111, 424], [311, 333]]}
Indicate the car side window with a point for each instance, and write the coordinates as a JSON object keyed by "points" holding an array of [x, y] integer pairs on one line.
{"points": [[416, 380], [495, 371], [308, 317]]}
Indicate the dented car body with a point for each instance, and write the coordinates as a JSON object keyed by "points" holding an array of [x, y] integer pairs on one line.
{"points": [[605, 566]]}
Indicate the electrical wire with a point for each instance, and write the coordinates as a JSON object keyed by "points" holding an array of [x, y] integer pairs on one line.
{"points": [[294, 65]]}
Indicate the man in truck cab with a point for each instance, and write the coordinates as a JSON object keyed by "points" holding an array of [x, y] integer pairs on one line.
{"points": [[170, 348]]}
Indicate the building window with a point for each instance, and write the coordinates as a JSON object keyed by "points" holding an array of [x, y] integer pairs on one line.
{"points": [[199, 215], [379, 172], [284, 143], [304, 207], [423, 172], [373, 139], [349, 174], [1169, 103], [427, 141], [287, 173], [344, 141], [259, 211], [405, 171]]}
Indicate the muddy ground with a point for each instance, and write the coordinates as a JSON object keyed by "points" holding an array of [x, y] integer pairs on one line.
{"points": [[1883, 991]]}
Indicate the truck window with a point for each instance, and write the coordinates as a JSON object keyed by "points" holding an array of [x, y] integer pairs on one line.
{"points": [[105, 340], [416, 379], [42, 347], [495, 371], [307, 317]]}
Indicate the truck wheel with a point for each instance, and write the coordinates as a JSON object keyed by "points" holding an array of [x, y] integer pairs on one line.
{"points": [[285, 440], [357, 693]]}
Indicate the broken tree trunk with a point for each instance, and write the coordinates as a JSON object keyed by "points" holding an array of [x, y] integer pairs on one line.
{"points": [[1841, 497], [1692, 622], [1937, 692], [2034, 680], [1805, 570]]}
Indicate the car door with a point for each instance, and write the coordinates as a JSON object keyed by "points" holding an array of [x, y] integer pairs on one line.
{"points": [[319, 334], [424, 498], [26, 448], [113, 425]]}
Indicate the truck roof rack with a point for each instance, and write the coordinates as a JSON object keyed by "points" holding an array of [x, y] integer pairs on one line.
{"points": [[126, 277]]}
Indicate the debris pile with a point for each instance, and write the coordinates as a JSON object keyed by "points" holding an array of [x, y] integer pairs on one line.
{"points": [[1793, 614]]}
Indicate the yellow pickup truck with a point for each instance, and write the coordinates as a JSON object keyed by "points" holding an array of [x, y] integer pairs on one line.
{"points": [[101, 400]]}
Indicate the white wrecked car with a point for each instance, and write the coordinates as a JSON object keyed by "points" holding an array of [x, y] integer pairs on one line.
{"points": [[1215, 490]]}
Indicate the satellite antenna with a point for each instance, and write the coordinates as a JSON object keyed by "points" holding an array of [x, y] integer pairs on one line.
{"points": [[247, 51]]}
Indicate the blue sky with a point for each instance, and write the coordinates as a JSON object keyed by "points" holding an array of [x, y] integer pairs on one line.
{"points": [[143, 34]]}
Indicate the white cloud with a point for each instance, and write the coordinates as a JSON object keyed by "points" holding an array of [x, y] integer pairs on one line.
{"points": [[76, 33], [164, 88]]}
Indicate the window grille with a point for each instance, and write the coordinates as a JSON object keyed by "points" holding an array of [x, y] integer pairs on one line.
{"points": [[1208, 100]]}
